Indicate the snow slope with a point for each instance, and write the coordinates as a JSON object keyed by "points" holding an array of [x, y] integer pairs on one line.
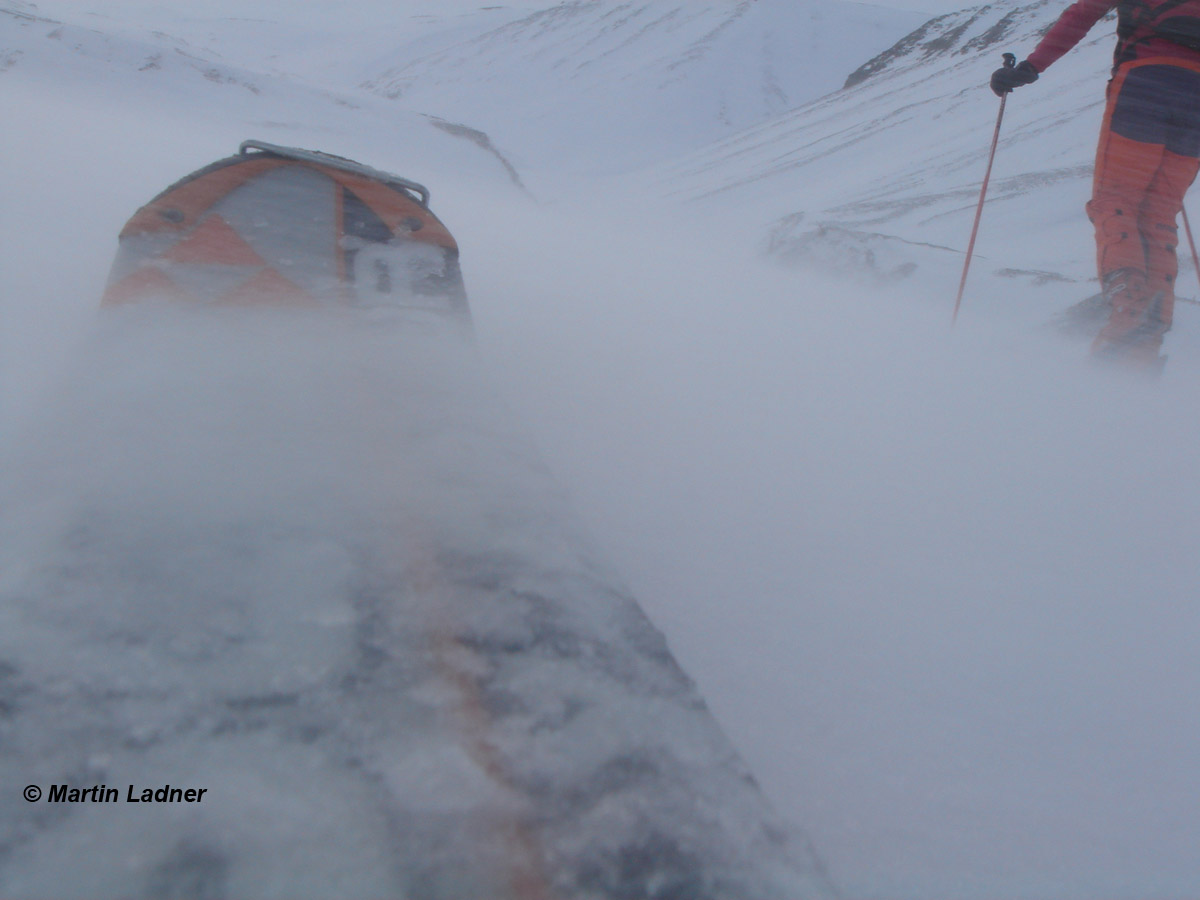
{"points": [[310, 563], [326, 44], [912, 195], [561, 84], [938, 586]]}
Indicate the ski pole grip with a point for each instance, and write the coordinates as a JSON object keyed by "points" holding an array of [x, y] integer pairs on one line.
{"points": [[1010, 60]]}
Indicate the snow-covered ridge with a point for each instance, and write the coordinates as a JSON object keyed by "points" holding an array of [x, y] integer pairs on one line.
{"points": [[604, 85], [153, 52], [322, 44], [959, 33], [123, 64], [665, 75]]}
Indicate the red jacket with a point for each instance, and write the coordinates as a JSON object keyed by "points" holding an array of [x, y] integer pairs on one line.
{"points": [[1139, 30]]}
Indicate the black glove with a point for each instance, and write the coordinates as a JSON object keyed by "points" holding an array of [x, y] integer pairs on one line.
{"points": [[1009, 77]]}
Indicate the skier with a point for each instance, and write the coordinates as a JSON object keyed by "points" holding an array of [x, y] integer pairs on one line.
{"points": [[1148, 156]]}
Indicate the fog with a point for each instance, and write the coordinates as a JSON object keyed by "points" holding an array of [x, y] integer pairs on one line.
{"points": [[938, 585], [288, 557]]}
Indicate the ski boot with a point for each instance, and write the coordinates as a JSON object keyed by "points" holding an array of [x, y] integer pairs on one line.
{"points": [[1137, 322]]}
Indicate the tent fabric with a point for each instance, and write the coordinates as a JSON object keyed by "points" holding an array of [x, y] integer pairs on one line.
{"points": [[259, 227]]}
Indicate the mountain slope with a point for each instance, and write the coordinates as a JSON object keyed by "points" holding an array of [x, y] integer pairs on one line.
{"points": [[326, 44], [610, 85], [128, 68], [817, 182]]}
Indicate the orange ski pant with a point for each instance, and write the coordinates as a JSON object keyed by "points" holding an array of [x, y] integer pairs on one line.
{"points": [[1148, 156]]}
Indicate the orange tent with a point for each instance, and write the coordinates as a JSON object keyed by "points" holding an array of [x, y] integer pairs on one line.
{"points": [[284, 225]]}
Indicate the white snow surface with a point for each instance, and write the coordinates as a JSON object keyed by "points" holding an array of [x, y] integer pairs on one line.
{"points": [[938, 585]]}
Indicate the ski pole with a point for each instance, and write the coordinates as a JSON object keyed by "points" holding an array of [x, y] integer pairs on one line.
{"points": [[1187, 229], [1009, 61]]}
